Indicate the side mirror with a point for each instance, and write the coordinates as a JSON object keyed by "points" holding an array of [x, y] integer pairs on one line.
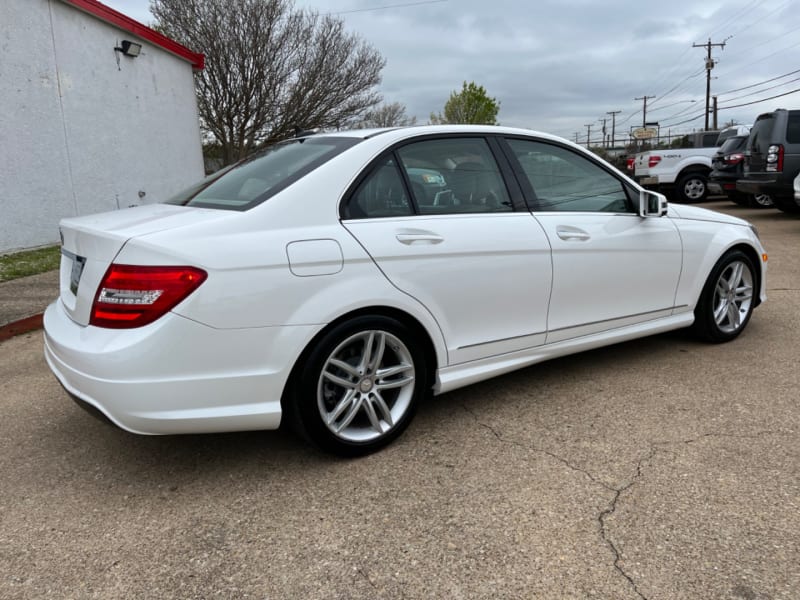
{"points": [[652, 204]]}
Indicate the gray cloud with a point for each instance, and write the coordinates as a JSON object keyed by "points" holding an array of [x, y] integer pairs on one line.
{"points": [[557, 65]]}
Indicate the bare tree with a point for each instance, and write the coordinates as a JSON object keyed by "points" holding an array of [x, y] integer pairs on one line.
{"points": [[270, 69], [390, 114]]}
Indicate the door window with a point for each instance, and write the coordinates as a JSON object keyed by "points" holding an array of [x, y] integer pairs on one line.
{"points": [[456, 175], [563, 180]]}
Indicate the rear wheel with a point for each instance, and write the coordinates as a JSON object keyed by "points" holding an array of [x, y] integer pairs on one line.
{"points": [[692, 187], [360, 385], [761, 201], [726, 302]]}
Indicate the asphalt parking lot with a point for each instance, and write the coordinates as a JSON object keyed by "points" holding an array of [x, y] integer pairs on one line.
{"points": [[662, 468]]}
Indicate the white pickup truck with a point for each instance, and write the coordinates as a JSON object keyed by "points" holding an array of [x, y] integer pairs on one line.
{"points": [[683, 172]]}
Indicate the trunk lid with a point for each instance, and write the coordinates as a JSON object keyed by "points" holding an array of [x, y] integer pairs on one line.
{"points": [[89, 245]]}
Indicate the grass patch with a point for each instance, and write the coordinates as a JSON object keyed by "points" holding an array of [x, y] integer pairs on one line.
{"points": [[29, 262]]}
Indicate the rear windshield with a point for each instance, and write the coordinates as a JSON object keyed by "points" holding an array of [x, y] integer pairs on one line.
{"points": [[257, 178], [733, 144]]}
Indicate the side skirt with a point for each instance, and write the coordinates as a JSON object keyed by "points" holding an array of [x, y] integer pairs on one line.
{"points": [[456, 376]]}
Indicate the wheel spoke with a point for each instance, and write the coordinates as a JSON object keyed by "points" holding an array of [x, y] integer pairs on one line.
{"points": [[346, 401], [344, 366], [744, 292], [340, 381], [734, 318], [383, 407], [354, 406], [378, 353], [373, 416], [366, 354], [720, 311], [736, 275]]}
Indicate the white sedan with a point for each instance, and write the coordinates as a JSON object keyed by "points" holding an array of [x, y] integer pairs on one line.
{"points": [[334, 280]]}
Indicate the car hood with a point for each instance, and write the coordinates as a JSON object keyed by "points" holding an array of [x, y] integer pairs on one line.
{"points": [[695, 213]]}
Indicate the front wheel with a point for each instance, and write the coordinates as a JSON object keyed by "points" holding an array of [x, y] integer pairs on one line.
{"points": [[360, 385], [692, 187], [726, 302]]}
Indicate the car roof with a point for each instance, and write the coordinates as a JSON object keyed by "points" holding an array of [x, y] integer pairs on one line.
{"points": [[419, 130]]}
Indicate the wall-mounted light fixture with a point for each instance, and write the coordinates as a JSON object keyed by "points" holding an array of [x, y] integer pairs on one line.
{"points": [[129, 48]]}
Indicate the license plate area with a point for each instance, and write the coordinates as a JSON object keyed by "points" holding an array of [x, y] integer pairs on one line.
{"points": [[73, 270]]}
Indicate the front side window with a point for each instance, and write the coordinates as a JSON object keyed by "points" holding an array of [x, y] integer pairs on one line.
{"points": [[263, 175], [563, 180]]}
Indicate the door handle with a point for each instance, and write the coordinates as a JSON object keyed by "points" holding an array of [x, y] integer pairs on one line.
{"points": [[422, 238], [570, 234]]}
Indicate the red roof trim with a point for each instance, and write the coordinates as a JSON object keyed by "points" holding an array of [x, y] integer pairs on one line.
{"points": [[124, 22]]}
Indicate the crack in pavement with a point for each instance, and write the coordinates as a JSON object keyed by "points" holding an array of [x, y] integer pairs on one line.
{"points": [[655, 447], [601, 518]]}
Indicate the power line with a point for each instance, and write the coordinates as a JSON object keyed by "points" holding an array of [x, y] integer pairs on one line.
{"points": [[747, 87], [762, 100], [407, 4]]}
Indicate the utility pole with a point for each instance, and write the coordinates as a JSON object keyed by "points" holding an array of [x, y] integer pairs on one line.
{"points": [[588, 134], [576, 137], [644, 109], [715, 112], [603, 121], [613, 114], [709, 65]]}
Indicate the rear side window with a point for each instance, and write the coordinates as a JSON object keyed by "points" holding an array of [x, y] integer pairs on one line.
{"points": [[761, 133], [793, 128], [440, 176], [263, 175], [458, 175]]}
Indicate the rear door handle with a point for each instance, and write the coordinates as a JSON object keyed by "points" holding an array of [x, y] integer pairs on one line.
{"points": [[419, 238], [570, 234]]}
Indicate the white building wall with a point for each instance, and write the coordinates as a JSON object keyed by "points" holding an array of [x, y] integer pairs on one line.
{"points": [[83, 128]]}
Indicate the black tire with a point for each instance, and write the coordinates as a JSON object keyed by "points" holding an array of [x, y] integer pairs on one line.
{"points": [[692, 187], [377, 414], [739, 198], [787, 205], [717, 294]]}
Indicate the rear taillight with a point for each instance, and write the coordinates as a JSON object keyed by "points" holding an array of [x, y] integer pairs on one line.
{"points": [[734, 159], [131, 296], [653, 161], [630, 164], [775, 158]]}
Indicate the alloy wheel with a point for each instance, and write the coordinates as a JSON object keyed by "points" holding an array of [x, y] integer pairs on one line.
{"points": [[366, 386], [733, 296]]}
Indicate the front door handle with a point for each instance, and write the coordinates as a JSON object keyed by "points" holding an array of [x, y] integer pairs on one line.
{"points": [[419, 238]]}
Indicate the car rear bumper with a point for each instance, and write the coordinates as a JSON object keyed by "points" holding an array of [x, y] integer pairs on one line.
{"points": [[771, 187], [175, 375]]}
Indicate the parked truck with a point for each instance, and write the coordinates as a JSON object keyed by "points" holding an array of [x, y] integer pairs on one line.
{"points": [[682, 173]]}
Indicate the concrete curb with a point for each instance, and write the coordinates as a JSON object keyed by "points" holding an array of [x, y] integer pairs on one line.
{"points": [[21, 326]]}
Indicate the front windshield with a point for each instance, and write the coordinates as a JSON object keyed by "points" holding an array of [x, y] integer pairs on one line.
{"points": [[262, 175]]}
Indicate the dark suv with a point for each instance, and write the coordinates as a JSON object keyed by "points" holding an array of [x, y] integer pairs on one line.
{"points": [[727, 167], [772, 158]]}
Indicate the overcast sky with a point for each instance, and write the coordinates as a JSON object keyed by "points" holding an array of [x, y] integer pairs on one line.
{"points": [[558, 65]]}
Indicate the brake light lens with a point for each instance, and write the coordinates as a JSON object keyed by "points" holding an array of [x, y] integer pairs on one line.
{"points": [[132, 296], [630, 164], [734, 159], [775, 158], [653, 160]]}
